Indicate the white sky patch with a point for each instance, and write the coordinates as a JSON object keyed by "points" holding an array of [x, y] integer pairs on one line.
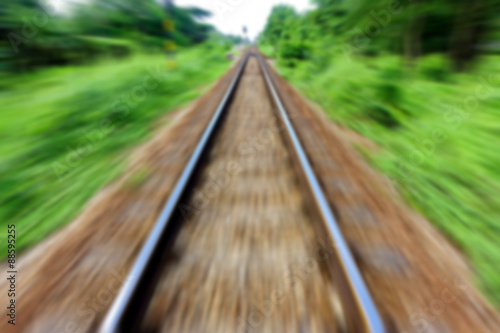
{"points": [[229, 16], [61, 7], [58, 6]]}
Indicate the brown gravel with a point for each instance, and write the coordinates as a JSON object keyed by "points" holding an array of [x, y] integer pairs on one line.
{"points": [[248, 240]]}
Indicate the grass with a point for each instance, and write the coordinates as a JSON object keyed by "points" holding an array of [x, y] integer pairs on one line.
{"points": [[439, 133], [66, 133]]}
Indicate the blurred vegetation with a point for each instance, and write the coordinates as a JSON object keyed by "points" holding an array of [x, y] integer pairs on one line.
{"points": [[36, 34], [422, 80], [57, 153], [71, 112]]}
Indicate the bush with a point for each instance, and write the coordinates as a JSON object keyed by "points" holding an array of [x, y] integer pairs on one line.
{"points": [[293, 50], [268, 50], [389, 92], [383, 116], [435, 67]]}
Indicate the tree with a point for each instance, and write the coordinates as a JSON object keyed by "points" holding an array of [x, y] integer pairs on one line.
{"points": [[278, 24], [34, 36]]}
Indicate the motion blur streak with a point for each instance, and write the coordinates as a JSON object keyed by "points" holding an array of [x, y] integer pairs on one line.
{"points": [[95, 130]]}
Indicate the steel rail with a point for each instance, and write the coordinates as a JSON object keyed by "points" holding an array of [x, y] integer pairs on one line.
{"points": [[115, 318], [373, 321]]}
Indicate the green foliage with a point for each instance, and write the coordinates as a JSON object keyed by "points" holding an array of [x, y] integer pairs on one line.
{"points": [[456, 184], [68, 130], [435, 67], [277, 28], [187, 30], [397, 72], [293, 50], [382, 115], [35, 36], [374, 27], [388, 90], [268, 50], [286, 36]]}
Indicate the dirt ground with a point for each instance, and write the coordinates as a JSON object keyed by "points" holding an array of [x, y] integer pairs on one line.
{"points": [[240, 246]]}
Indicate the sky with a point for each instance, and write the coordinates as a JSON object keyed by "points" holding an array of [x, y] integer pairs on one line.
{"points": [[229, 16]]}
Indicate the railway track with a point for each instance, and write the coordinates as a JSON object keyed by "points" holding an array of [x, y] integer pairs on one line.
{"points": [[247, 241]]}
